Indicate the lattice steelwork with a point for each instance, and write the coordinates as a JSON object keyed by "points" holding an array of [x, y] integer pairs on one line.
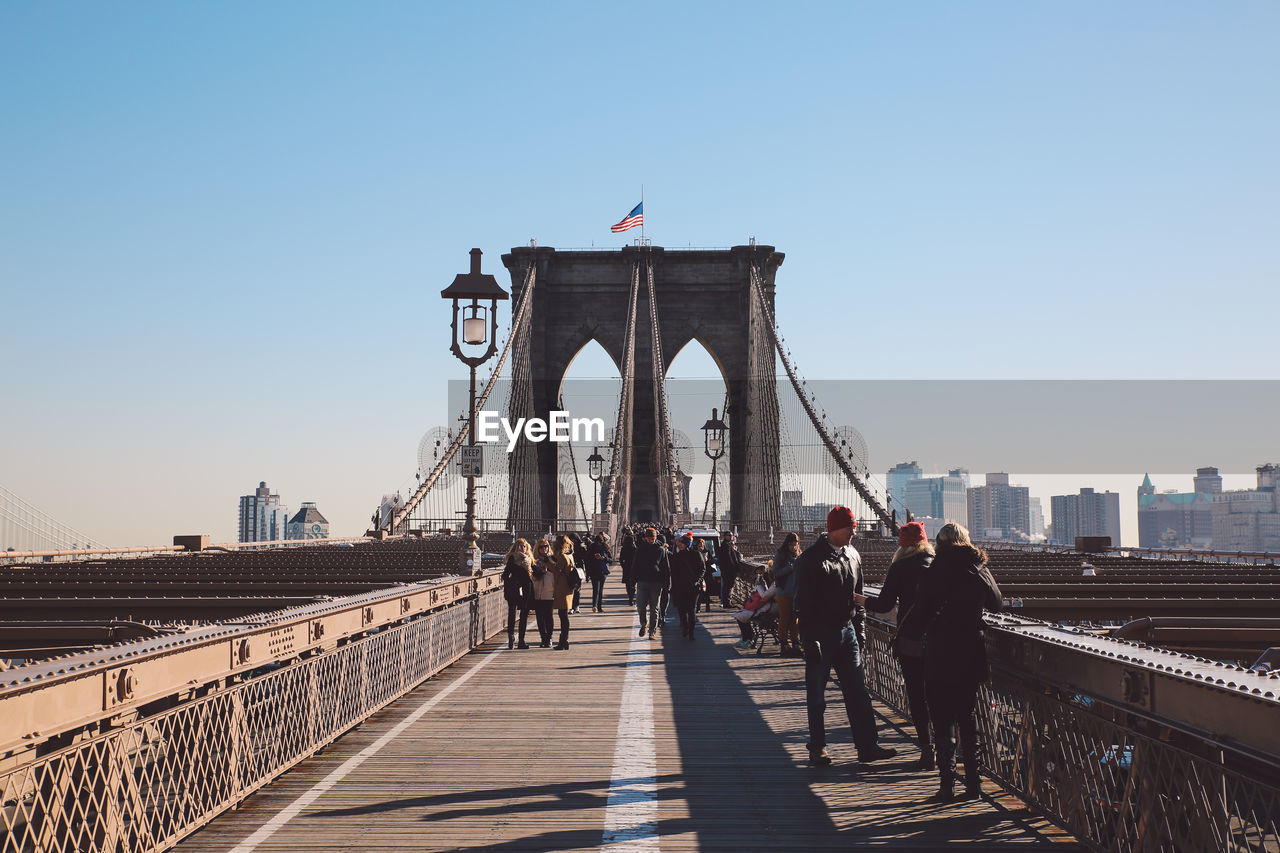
{"points": [[150, 782], [1116, 780]]}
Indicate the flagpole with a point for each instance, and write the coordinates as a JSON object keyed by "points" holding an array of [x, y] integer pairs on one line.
{"points": [[642, 214]]}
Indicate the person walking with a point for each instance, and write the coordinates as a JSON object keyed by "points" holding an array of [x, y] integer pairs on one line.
{"points": [[627, 552], [953, 592], [598, 558], [784, 578], [667, 543], [544, 591], [580, 563], [517, 589], [687, 570], [910, 563], [711, 585], [652, 571], [829, 575], [567, 580], [730, 561]]}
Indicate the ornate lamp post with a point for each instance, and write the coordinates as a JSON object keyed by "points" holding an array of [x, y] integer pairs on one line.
{"points": [[595, 470], [713, 434], [476, 287]]}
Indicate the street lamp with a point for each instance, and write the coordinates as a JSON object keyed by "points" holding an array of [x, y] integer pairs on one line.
{"points": [[476, 287], [713, 443], [595, 470]]}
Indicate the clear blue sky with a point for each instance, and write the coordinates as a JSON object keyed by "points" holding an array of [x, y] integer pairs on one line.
{"points": [[224, 227]]}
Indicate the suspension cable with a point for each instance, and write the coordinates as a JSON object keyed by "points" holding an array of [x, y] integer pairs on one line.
{"points": [[771, 326], [519, 328]]}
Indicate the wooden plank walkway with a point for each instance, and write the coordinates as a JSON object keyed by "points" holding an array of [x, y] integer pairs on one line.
{"points": [[520, 750]]}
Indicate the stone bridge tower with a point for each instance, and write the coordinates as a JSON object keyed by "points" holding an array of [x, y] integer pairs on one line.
{"points": [[705, 294]]}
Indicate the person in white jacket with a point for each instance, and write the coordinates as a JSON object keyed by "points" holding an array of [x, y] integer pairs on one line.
{"points": [[761, 603]]}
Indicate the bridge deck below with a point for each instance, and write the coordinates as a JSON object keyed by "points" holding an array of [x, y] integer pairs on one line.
{"points": [[523, 750]]}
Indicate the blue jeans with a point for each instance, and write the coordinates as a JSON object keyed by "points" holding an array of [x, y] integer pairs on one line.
{"points": [[837, 648]]}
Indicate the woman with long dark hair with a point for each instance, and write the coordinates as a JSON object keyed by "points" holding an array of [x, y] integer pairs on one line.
{"points": [[784, 577], [517, 589], [953, 592], [598, 558]]}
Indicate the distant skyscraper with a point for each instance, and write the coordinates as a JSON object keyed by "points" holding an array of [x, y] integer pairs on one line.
{"points": [[1037, 519], [1248, 519], [937, 497], [308, 523], [1087, 514], [1207, 481], [896, 481], [1177, 519], [262, 517], [999, 510]]}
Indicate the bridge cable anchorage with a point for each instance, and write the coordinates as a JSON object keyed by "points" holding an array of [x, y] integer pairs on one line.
{"points": [[668, 494], [863, 491], [519, 329], [620, 452]]}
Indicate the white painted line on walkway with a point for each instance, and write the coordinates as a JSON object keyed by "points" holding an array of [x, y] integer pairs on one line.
{"points": [[292, 810], [631, 815]]}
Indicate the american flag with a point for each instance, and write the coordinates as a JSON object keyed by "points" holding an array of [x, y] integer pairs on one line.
{"points": [[631, 220]]}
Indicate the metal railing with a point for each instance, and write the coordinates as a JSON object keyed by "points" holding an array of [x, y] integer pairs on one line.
{"points": [[1127, 747], [125, 760]]}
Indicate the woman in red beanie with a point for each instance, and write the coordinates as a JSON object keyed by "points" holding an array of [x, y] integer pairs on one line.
{"points": [[913, 557]]}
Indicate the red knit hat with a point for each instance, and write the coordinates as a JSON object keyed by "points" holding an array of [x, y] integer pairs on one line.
{"points": [[839, 518], [912, 533]]}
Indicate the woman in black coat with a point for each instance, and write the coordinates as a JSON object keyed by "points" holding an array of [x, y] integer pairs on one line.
{"points": [[953, 592], [687, 570], [598, 557], [910, 562], [517, 589]]}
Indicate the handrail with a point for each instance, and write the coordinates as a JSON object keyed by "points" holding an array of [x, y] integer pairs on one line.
{"points": [[46, 698], [206, 721], [1126, 746]]}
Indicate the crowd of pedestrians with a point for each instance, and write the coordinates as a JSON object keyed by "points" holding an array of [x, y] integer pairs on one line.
{"points": [[816, 595]]}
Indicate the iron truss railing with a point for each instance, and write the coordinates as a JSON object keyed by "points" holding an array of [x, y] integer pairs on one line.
{"points": [[1128, 747], [132, 748]]}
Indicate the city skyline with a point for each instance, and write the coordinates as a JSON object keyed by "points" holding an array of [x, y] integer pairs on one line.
{"points": [[225, 230]]}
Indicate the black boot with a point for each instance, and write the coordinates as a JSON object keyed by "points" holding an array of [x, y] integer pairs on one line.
{"points": [[946, 789], [927, 761], [972, 781]]}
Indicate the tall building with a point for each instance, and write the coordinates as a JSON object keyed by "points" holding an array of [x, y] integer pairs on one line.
{"points": [[1177, 519], [896, 482], [308, 523], [937, 497], [1037, 520], [1087, 514], [1249, 519], [792, 501], [999, 510], [262, 517]]}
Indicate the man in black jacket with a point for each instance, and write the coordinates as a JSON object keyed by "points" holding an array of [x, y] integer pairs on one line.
{"points": [[730, 565], [651, 568], [829, 575]]}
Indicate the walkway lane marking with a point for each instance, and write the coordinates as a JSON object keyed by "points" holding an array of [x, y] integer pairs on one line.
{"points": [[631, 814], [292, 810]]}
